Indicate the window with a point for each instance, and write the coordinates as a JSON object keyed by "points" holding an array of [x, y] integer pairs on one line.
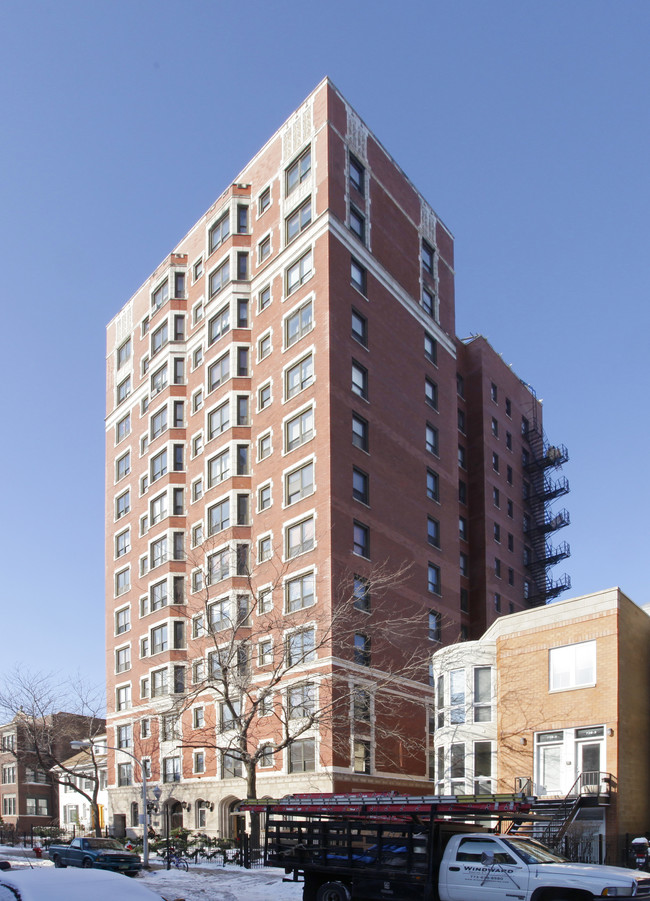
{"points": [[359, 380], [264, 298], [8, 805], [427, 258], [264, 497], [301, 701], [122, 544], [359, 328], [159, 380], [358, 223], [462, 457], [122, 660], [435, 626], [159, 338], [171, 769], [361, 540], [361, 649], [299, 429], [122, 582], [298, 324], [124, 389], [219, 325], [266, 756], [158, 423], [264, 446], [298, 221], [160, 295], [429, 303], [360, 486], [361, 593], [433, 485], [219, 278], [123, 697], [158, 552], [219, 232], [219, 372], [159, 683], [218, 468], [299, 592], [457, 696], [264, 346], [122, 621], [124, 353], [431, 439], [357, 175], [218, 420], [433, 579], [219, 517], [264, 201], [124, 774], [433, 531], [494, 392], [302, 756], [430, 348], [298, 171], [299, 272], [242, 266], [242, 219], [264, 396], [299, 484], [300, 538], [299, 376], [124, 737], [572, 666], [431, 393], [482, 694], [300, 647], [496, 497], [359, 432], [464, 564], [495, 427], [358, 276], [265, 601], [123, 428], [495, 462]]}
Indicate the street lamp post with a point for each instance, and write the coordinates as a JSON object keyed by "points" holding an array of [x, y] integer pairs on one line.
{"points": [[78, 745]]}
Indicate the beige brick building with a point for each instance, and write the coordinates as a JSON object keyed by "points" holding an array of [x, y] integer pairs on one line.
{"points": [[569, 685]]}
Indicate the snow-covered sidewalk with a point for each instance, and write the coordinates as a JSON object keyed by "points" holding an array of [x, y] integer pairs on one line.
{"points": [[204, 882]]}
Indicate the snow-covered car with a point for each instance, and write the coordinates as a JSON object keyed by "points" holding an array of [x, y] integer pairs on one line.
{"points": [[52, 884]]}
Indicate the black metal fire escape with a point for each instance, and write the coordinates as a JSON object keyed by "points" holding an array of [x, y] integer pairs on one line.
{"points": [[541, 461]]}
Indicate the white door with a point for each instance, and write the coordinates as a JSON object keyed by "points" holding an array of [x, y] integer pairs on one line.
{"points": [[549, 770]]}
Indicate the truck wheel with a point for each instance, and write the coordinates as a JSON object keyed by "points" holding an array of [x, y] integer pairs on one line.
{"points": [[58, 863], [86, 863], [333, 891]]}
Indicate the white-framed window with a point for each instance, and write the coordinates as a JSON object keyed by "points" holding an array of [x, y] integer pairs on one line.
{"points": [[302, 756], [219, 468], [299, 376], [219, 371], [264, 346], [160, 295], [572, 666], [219, 277], [298, 171], [300, 646], [298, 221], [299, 429], [299, 272], [298, 323], [299, 483], [264, 446], [301, 701], [264, 396], [218, 232], [299, 537], [299, 592]]}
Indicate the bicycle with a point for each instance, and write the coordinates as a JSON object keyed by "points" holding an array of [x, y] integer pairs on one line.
{"points": [[178, 861]]}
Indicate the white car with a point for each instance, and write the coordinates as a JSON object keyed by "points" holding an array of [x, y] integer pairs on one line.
{"points": [[51, 884]]}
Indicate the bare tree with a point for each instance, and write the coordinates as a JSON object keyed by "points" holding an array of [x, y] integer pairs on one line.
{"points": [[49, 714], [262, 674]]}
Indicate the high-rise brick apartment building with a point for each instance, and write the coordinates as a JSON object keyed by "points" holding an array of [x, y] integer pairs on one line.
{"points": [[288, 409]]}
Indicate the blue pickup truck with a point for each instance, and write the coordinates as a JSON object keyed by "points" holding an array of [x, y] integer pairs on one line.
{"points": [[101, 853]]}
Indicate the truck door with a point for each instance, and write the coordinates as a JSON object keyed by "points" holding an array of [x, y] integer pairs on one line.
{"points": [[468, 877]]}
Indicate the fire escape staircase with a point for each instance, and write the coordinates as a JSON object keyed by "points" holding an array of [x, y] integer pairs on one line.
{"points": [[540, 459], [551, 817]]}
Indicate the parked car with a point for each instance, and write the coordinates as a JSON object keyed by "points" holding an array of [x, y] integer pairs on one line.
{"points": [[49, 884], [100, 853]]}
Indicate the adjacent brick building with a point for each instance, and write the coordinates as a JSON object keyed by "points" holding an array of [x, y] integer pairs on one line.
{"points": [[288, 412], [554, 702]]}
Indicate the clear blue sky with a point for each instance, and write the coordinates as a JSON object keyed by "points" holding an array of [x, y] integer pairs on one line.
{"points": [[524, 124]]}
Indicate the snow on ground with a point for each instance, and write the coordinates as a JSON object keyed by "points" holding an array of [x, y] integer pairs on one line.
{"points": [[204, 882]]}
